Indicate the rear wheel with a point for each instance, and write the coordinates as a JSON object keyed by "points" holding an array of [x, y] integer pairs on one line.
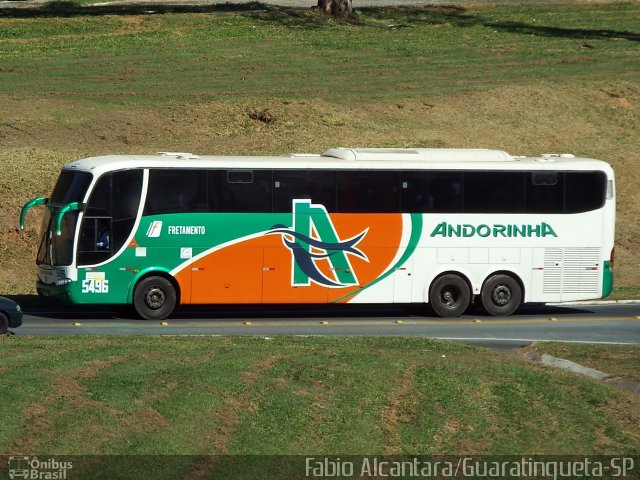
{"points": [[501, 295], [4, 323], [449, 296], [154, 298]]}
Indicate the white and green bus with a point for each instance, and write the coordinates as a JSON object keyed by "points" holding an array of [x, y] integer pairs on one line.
{"points": [[441, 226]]}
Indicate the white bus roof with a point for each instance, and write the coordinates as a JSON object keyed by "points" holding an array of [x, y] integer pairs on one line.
{"points": [[348, 159]]}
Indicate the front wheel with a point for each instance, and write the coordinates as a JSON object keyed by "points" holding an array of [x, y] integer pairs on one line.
{"points": [[501, 295], [4, 323], [154, 298], [449, 296]]}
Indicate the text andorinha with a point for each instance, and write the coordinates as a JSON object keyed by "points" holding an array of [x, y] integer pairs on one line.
{"points": [[445, 229]]}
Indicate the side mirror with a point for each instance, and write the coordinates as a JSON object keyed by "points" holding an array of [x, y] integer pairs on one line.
{"points": [[64, 210], [28, 206]]}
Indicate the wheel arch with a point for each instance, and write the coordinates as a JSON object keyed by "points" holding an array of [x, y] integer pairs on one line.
{"points": [[153, 272]]}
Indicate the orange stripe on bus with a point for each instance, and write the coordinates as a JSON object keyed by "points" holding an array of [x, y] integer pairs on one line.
{"points": [[260, 270]]}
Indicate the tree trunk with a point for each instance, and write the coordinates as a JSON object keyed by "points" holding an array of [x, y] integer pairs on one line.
{"points": [[336, 8], [324, 6]]}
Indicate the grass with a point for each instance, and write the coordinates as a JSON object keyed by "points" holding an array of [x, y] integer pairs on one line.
{"points": [[618, 360], [624, 292], [527, 79], [254, 396], [389, 53]]}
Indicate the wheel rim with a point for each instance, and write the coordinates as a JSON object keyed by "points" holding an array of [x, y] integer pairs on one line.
{"points": [[450, 296], [154, 298], [501, 295]]}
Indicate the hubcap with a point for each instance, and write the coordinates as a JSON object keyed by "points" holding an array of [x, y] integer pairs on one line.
{"points": [[501, 295], [154, 298], [449, 296]]}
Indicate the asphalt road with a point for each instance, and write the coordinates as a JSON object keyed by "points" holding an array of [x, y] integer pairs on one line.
{"points": [[602, 323]]}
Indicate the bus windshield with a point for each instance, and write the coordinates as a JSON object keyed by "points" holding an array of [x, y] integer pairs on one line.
{"points": [[58, 249], [70, 187]]}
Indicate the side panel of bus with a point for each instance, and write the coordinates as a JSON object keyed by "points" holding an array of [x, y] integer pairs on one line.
{"points": [[274, 260], [309, 255]]}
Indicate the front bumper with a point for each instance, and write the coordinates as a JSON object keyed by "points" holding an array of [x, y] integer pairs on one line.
{"points": [[15, 319], [52, 291]]}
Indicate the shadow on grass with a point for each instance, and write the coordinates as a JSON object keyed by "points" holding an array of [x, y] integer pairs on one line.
{"points": [[580, 33], [382, 17]]}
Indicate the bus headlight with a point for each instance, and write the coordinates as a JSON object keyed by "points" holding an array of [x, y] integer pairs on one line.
{"points": [[62, 281]]}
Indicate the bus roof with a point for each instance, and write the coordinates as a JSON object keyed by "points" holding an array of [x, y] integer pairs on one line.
{"points": [[348, 159]]}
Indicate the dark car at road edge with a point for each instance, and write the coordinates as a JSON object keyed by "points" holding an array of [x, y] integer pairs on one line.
{"points": [[10, 315]]}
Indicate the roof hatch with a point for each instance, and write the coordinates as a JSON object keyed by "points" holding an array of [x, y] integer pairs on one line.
{"points": [[419, 154], [178, 155]]}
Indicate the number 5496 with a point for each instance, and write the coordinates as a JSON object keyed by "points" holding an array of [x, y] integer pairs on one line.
{"points": [[95, 286]]}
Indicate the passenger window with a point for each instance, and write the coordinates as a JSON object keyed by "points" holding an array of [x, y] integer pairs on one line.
{"points": [[493, 192], [544, 192], [240, 176], [584, 191], [368, 192], [316, 185], [431, 191], [247, 191], [176, 191]]}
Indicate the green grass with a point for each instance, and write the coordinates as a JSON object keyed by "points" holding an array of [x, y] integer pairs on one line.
{"points": [[200, 396], [385, 53], [618, 360]]}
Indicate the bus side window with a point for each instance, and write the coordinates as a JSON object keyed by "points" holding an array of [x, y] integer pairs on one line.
{"points": [[97, 216], [176, 191], [244, 191], [426, 191], [544, 192], [584, 191], [110, 215], [126, 189], [368, 191], [319, 186], [493, 192]]}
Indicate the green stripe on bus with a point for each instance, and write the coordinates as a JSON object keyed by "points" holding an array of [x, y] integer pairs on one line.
{"points": [[607, 279]]}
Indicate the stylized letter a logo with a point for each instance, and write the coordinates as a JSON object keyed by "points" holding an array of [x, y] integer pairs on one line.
{"points": [[313, 239]]}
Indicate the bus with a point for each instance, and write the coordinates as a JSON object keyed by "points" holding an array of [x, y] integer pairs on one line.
{"points": [[444, 227]]}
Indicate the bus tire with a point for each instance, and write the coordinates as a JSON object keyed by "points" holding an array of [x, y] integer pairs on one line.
{"points": [[154, 298], [4, 323], [449, 296], [501, 295]]}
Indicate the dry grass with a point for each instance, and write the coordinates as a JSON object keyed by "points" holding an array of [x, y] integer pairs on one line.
{"points": [[39, 135]]}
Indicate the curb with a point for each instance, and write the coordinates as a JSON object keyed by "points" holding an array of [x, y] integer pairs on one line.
{"points": [[568, 365], [596, 302]]}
